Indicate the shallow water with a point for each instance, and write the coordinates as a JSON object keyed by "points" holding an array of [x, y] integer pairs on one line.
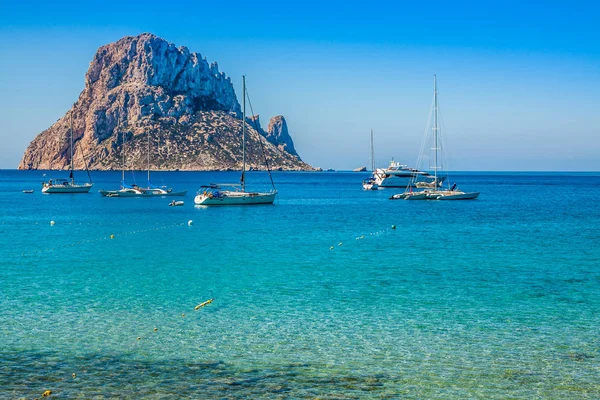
{"points": [[493, 298]]}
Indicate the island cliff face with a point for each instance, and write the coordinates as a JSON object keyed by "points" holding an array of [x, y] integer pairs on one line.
{"points": [[151, 97], [277, 133]]}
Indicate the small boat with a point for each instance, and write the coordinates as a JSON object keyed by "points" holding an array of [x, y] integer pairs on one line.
{"points": [[176, 203], [28, 191], [370, 184], [215, 195]]}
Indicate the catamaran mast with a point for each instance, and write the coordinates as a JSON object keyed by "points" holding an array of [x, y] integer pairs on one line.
{"points": [[244, 134], [435, 129]]}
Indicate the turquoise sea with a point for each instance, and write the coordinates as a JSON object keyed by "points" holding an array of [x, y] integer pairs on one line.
{"points": [[314, 297]]}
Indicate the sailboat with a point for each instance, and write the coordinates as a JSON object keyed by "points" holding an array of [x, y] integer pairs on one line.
{"points": [[137, 191], [62, 185], [215, 195], [433, 190], [371, 183]]}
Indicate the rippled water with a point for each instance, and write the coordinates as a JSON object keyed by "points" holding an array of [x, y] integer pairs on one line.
{"points": [[315, 296]]}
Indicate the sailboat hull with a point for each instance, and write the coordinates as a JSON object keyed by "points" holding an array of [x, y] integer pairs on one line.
{"points": [[227, 198], [67, 188]]}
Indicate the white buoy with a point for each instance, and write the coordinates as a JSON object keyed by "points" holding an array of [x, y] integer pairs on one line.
{"points": [[51, 222], [190, 222]]}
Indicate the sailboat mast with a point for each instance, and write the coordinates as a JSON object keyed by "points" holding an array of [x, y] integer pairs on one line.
{"points": [[372, 153], [435, 129], [122, 157], [244, 134], [72, 178], [148, 158]]}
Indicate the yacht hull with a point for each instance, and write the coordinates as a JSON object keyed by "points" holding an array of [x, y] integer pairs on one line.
{"points": [[404, 179], [396, 182]]}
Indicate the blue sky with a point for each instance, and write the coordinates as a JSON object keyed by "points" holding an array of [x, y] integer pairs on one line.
{"points": [[518, 82]]}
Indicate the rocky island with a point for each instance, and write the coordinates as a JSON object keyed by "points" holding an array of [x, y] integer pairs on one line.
{"points": [[145, 92]]}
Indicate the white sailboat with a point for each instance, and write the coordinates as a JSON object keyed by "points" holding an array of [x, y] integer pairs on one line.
{"points": [[138, 191], [62, 185], [371, 183], [215, 195], [433, 190]]}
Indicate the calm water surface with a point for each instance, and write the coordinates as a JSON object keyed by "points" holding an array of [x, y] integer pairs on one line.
{"points": [[315, 296]]}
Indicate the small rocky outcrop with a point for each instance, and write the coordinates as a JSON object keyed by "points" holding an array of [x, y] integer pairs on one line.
{"points": [[277, 133], [144, 88], [360, 169]]}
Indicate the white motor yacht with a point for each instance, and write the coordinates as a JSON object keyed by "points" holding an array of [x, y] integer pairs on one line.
{"points": [[398, 175]]}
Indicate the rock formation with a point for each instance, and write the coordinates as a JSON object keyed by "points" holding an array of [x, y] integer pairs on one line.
{"points": [[277, 133], [142, 89]]}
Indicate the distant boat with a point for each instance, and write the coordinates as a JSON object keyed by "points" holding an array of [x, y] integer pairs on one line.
{"points": [[176, 203], [371, 183], [138, 191], [28, 191], [431, 191], [62, 185], [214, 194]]}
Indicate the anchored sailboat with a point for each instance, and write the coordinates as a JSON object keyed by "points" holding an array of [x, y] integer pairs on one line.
{"points": [[433, 190], [62, 185], [371, 183], [135, 190], [215, 195]]}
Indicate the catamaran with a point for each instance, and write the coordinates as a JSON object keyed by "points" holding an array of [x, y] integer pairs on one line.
{"points": [[432, 189], [138, 191], [62, 185], [236, 194]]}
